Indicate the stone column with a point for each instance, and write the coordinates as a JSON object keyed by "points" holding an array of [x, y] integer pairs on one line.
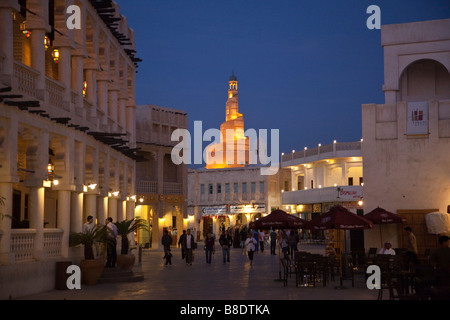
{"points": [[64, 220], [102, 203], [77, 74], [120, 210], [6, 39], [6, 192], [90, 201], [113, 95], [38, 56], [91, 90], [36, 207], [122, 113], [64, 71], [112, 208], [76, 214], [102, 99]]}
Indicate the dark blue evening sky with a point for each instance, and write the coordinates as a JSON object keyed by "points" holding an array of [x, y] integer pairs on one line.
{"points": [[304, 67]]}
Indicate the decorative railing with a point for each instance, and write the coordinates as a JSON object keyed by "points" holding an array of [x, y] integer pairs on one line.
{"points": [[22, 244], [55, 92], [25, 79], [144, 186], [52, 242], [330, 149], [173, 188]]}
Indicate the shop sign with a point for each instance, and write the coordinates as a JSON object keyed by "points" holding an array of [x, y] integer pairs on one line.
{"points": [[249, 208], [350, 193], [214, 211]]}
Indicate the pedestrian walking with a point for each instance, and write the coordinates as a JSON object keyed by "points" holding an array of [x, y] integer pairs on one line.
{"points": [[250, 245], [293, 240], [189, 245], [166, 241], [225, 242], [209, 247], [273, 242], [243, 235], [255, 235], [284, 244], [411, 249], [261, 240], [180, 244]]}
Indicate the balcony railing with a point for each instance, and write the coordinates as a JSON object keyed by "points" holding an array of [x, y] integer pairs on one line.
{"points": [[55, 92], [144, 186], [25, 79], [329, 150], [173, 188], [22, 244], [52, 242]]}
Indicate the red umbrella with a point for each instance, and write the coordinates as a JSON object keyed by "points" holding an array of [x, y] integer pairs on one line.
{"points": [[381, 216], [278, 219], [339, 218]]}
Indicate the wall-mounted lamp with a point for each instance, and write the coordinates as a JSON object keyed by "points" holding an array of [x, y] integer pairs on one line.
{"points": [[55, 55]]}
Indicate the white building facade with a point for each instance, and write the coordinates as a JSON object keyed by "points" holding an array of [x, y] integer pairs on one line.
{"points": [[67, 119], [406, 146], [230, 197], [322, 177]]}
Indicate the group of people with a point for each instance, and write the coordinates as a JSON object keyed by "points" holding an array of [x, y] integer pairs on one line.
{"points": [[111, 228], [250, 241], [187, 243]]}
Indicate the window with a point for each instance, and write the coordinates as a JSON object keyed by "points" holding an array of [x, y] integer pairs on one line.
{"points": [[219, 188], [244, 187], [210, 189], [261, 187], [253, 187], [227, 188], [202, 189], [361, 181], [350, 181], [235, 188], [286, 185]]}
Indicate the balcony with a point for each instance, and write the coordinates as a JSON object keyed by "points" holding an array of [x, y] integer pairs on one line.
{"points": [[145, 186], [334, 150], [321, 195]]}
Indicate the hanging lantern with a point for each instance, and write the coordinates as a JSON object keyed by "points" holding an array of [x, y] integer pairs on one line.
{"points": [[46, 42], [55, 55], [84, 88], [24, 30], [50, 168]]}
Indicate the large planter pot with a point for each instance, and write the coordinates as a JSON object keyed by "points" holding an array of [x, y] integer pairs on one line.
{"points": [[91, 271], [125, 261]]}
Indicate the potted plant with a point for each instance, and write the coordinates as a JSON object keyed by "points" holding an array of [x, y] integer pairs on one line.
{"points": [[125, 260], [91, 268]]}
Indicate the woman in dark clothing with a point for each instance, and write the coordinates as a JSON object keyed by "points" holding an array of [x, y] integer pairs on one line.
{"points": [[209, 247]]}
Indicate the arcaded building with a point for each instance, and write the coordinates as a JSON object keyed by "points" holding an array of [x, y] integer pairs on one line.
{"points": [[406, 147], [67, 133]]}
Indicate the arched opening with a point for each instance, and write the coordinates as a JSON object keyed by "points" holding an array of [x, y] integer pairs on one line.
{"points": [[424, 80]]}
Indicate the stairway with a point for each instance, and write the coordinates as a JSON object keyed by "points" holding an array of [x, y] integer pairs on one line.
{"points": [[114, 275]]}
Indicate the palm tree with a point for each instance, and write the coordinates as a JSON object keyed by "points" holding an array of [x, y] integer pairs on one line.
{"points": [[87, 239], [124, 228]]}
